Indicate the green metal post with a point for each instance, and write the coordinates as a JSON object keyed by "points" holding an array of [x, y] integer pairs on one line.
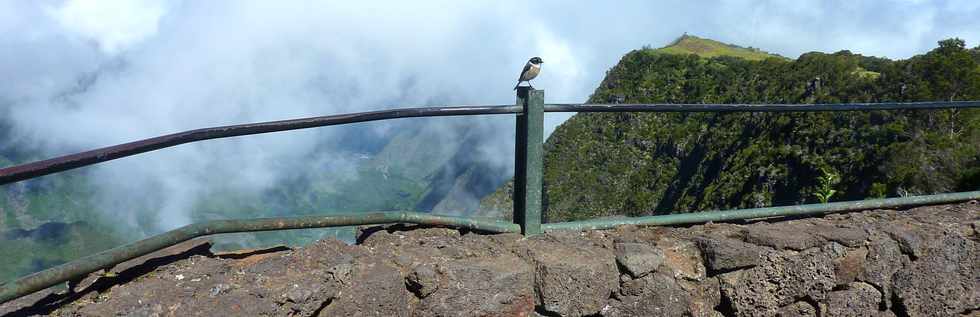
{"points": [[529, 161]]}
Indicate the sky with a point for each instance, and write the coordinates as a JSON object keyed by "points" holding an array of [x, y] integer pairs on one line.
{"points": [[76, 75]]}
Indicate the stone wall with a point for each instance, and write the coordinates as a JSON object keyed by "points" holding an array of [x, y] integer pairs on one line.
{"points": [[918, 262]]}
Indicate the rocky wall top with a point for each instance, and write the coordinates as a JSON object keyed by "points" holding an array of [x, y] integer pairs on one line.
{"points": [[918, 262]]}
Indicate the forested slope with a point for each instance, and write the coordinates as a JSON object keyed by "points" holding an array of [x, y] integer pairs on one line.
{"points": [[600, 164]]}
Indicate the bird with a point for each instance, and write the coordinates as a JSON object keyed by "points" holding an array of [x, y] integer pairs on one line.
{"points": [[531, 70]]}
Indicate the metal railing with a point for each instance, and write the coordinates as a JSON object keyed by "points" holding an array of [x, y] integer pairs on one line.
{"points": [[528, 179]]}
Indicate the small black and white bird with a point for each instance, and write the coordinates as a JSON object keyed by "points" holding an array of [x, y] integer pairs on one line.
{"points": [[531, 70]]}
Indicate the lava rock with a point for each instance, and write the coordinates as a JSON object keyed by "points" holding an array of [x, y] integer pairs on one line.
{"points": [[883, 260], [379, 291], [652, 295], [850, 266], [483, 286], [724, 254], [797, 309], [945, 281], [779, 280], [859, 299], [571, 279], [783, 236], [638, 259]]}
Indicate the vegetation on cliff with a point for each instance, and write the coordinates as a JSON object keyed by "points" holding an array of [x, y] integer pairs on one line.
{"points": [[602, 164]]}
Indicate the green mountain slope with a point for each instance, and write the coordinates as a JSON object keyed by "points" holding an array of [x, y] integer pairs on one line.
{"points": [[602, 164], [53, 243]]}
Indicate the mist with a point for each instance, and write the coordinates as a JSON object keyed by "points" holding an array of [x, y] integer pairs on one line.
{"points": [[78, 75]]}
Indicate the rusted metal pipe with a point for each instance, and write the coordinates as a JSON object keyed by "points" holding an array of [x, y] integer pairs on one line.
{"points": [[40, 168], [694, 107], [739, 214], [111, 257]]}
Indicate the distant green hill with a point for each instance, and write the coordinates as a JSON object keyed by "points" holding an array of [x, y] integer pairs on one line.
{"points": [[602, 164], [53, 243], [689, 44]]}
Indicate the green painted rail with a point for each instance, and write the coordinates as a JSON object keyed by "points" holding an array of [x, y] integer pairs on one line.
{"points": [[528, 179], [755, 213]]}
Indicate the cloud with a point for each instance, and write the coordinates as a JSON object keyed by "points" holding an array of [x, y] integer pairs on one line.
{"points": [[114, 24], [37, 58], [84, 74]]}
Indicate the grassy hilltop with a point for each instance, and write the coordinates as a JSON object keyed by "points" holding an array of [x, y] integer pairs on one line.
{"points": [[689, 44], [601, 164]]}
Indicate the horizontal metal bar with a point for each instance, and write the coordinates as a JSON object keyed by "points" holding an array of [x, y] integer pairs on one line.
{"points": [[111, 257], [72, 161], [692, 107], [799, 210]]}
